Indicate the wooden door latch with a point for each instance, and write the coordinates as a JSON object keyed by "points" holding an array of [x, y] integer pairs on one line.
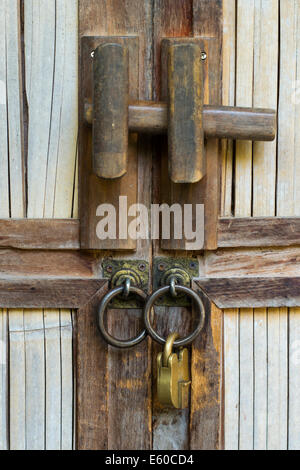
{"points": [[184, 117]]}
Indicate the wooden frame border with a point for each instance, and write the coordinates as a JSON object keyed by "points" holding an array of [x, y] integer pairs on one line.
{"points": [[63, 234]]}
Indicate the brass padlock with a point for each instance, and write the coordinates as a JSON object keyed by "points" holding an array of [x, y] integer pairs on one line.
{"points": [[173, 377]]}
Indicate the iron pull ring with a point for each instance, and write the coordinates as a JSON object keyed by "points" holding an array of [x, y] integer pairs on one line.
{"points": [[200, 311], [118, 343]]}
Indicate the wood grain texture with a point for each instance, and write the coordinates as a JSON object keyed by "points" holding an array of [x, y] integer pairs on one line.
{"points": [[228, 98], [110, 110], [47, 293], [218, 121], [118, 18], [95, 191], [287, 205], [17, 377], [170, 19], [185, 112], [206, 366], [206, 191], [91, 380], [252, 292], [258, 232], [63, 234], [41, 234], [43, 264], [265, 262]]}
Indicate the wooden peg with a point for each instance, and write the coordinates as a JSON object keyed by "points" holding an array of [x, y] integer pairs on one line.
{"points": [[185, 118], [110, 117]]}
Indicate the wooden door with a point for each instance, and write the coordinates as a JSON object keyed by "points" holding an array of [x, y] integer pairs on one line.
{"points": [[61, 385]]}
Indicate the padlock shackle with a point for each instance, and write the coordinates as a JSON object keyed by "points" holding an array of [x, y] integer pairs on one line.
{"points": [[168, 349]]}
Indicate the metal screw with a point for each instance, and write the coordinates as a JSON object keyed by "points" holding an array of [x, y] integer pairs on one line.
{"points": [[92, 54], [161, 267], [193, 265], [109, 269], [203, 55], [142, 267]]}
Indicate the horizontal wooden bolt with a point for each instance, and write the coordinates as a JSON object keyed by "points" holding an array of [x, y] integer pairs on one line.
{"points": [[218, 121]]}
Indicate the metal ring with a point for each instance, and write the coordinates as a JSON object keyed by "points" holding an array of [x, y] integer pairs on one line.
{"points": [[200, 308], [118, 343], [173, 284], [126, 289]]}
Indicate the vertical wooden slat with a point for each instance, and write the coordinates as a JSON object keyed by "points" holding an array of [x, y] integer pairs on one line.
{"points": [[229, 60], [4, 212], [40, 41], [206, 365], [4, 436], [265, 95], [277, 438], [63, 141], [260, 377], [35, 379], [67, 382], [91, 380], [294, 380], [53, 380], [17, 392], [231, 378], [15, 108], [246, 380], [244, 96], [4, 178], [288, 195]]}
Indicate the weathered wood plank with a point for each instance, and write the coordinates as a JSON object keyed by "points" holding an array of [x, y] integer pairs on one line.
{"points": [[91, 380], [49, 234], [47, 293], [258, 231], [63, 234], [206, 365], [67, 385], [252, 292], [43, 264], [268, 262]]}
